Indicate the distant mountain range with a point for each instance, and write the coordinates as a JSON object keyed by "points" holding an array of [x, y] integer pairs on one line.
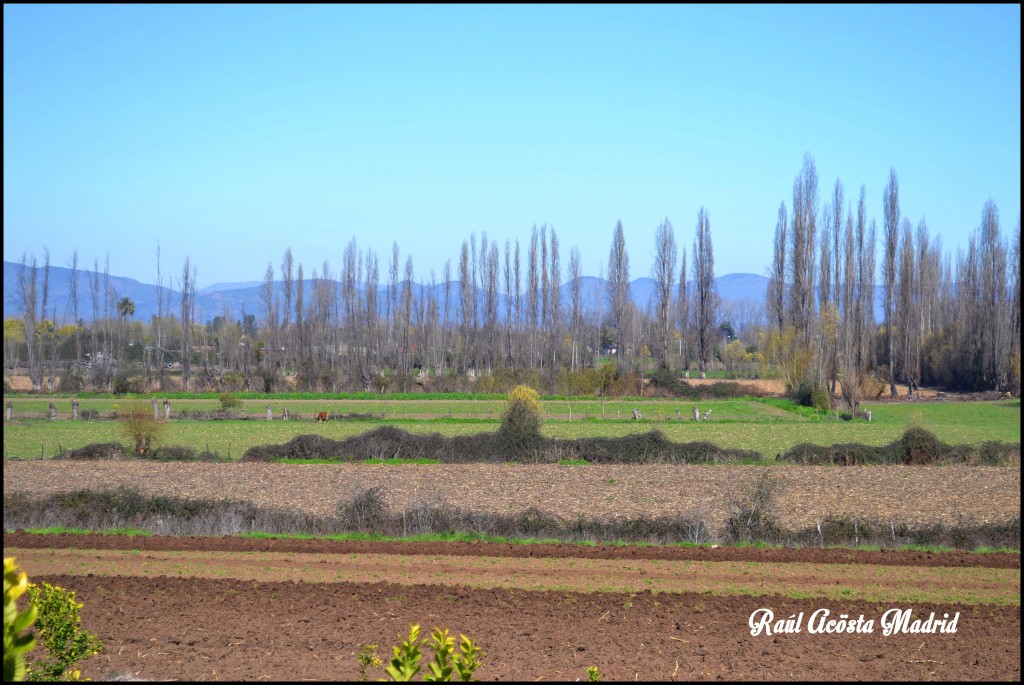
{"points": [[237, 298]]}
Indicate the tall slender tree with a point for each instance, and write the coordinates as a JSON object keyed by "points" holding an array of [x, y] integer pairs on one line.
{"points": [[704, 267], [664, 273], [891, 207]]}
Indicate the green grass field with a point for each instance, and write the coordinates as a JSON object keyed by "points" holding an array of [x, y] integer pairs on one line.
{"points": [[768, 426]]}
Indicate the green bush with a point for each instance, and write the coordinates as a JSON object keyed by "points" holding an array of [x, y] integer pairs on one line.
{"points": [[58, 622], [447, 662], [229, 401]]}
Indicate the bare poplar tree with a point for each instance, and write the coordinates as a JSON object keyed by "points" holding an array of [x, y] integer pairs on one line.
{"points": [[466, 288], [407, 306], [509, 322], [27, 304], [906, 316], [188, 310], [576, 298], [286, 310], [777, 281], [555, 298], [618, 286], [532, 304], [994, 334], [805, 201], [664, 273], [491, 304], [891, 207], [73, 295], [447, 276], [704, 266], [683, 316], [45, 333], [1015, 317]]}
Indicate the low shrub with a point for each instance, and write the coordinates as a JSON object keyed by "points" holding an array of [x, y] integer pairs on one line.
{"points": [[97, 450], [57, 620], [915, 447]]}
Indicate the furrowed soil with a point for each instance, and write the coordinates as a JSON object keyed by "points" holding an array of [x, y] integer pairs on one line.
{"points": [[222, 608], [259, 610]]}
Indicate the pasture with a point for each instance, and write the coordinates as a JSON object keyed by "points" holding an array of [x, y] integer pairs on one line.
{"points": [[766, 425]]}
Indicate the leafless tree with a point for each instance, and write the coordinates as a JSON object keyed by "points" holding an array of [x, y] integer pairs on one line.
{"points": [[27, 304], [555, 298], [704, 266], [891, 206], [576, 299], [683, 315], [663, 272], [618, 286], [905, 328], [804, 226], [994, 333], [188, 310], [73, 295], [777, 281]]}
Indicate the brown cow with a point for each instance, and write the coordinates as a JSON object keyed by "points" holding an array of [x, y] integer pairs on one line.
{"points": [[322, 416]]}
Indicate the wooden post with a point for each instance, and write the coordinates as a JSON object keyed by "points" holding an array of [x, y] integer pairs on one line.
{"points": [[156, 411], [284, 415], [74, 408], [270, 413], [167, 410], [53, 411], [9, 408]]}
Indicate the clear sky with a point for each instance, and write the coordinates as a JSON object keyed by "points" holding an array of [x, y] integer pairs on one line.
{"points": [[230, 133]]}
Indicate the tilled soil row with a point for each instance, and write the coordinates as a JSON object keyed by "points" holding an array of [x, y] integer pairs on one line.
{"points": [[232, 545], [208, 629]]}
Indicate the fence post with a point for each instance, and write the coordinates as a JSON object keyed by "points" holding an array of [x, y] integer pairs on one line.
{"points": [[74, 408], [167, 410], [270, 413], [53, 411]]}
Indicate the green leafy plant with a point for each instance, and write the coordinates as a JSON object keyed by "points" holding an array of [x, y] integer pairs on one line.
{"points": [[16, 644], [446, 662], [406, 660], [58, 622], [592, 675], [368, 659]]}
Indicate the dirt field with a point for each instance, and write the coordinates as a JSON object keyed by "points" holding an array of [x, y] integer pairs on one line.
{"points": [[807, 494], [236, 618]]}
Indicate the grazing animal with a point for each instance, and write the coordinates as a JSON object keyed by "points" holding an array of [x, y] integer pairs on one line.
{"points": [[696, 413], [322, 416], [637, 415], [707, 415]]}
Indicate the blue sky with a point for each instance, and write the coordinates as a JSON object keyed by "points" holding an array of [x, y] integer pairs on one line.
{"points": [[232, 133]]}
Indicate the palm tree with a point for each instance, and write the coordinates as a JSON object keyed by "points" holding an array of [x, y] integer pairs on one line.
{"points": [[125, 309]]}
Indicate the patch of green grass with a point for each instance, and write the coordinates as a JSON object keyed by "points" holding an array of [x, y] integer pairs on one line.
{"points": [[769, 426]]}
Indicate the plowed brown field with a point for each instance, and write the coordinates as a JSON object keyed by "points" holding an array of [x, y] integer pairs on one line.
{"points": [[236, 609]]}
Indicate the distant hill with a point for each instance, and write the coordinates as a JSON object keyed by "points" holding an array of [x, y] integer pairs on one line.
{"points": [[236, 298]]}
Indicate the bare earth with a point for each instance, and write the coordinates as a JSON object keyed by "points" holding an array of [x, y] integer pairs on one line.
{"points": [[808, 494], [232, 617], [232, 609]]}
